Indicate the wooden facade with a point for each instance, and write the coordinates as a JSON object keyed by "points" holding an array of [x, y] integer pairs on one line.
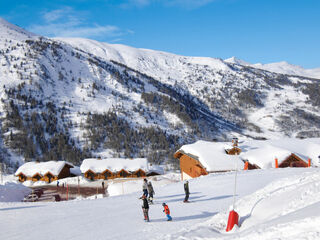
{"points": [[233, 151], [293, 161], [49, 177], [189, 165], [22, 177], [36, 177], [107, 174]]}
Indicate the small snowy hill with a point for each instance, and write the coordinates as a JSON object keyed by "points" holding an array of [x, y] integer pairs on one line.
{"points": [[273, 204]]}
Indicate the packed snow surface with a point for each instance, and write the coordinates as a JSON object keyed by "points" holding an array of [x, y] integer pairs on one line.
{"points": [[272, 204]]}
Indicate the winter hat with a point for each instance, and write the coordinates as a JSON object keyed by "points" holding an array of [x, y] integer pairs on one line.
{"points": [[163, 204]]}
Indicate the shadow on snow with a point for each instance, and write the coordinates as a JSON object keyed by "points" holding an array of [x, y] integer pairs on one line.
{"points": [[185, 218]]}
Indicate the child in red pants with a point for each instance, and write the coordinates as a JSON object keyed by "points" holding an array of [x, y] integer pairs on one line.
{"points": [[166, 210]]}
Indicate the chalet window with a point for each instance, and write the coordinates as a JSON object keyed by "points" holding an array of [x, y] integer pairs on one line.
{"points": [[107, 175], [91, 176], [123, 174], [37, 177]]}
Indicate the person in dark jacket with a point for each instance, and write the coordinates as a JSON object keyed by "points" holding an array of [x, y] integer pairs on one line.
{"points": [[145, 187], [186, 191], [145, 208], [150, 191], [166, 210]]}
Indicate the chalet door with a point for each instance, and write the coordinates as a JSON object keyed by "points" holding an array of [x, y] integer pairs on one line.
{"points": [[49, 178], [106, 175]]}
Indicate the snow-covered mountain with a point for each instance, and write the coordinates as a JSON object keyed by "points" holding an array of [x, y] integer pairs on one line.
{"points": [[279, 67], [68, 99]]}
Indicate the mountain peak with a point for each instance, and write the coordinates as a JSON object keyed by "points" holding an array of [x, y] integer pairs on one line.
{"points": [[13, 32], [236, 60]]}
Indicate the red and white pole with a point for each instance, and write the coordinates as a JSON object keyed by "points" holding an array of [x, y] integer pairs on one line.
{"points": [[233, 215]]}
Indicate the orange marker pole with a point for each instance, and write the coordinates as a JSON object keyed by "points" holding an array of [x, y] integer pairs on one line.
{"points": [[276, 163], [246, 166], [309, 162]]}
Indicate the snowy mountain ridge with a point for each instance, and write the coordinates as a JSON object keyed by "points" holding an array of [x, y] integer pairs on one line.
{"points": [[282, 67], [70, 99]]}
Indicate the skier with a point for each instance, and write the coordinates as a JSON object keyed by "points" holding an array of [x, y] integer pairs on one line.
{"points": [[145, 208], [186, 190], [150, 191], [145, 187], [166, 210]]}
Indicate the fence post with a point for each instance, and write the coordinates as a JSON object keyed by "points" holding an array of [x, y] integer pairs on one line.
{"points": [[78, 187], [67, 191]]}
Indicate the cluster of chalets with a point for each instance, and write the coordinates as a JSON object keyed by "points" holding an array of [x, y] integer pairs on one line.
{"points": [[92, 169], [203, 157]]}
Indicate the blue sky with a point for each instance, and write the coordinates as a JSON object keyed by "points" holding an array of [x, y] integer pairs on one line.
{"points": [[253, 30]]}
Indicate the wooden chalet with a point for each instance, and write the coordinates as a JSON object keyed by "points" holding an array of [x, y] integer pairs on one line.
{"points": [[203, 157], [190, 166], [293, 161], [43, 171]]}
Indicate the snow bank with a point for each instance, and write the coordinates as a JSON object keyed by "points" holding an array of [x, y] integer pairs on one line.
{"points": [[12, 192]]}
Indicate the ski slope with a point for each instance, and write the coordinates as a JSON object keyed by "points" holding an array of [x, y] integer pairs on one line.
{"points": [[272, 204]]}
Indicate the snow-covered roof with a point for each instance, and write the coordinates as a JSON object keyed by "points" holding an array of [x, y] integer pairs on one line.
{"points": [[212, 155], [114, 164], [264, 156], [31, 168], [75, 171], [260, 152], [156, 169], [263, 153]]}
